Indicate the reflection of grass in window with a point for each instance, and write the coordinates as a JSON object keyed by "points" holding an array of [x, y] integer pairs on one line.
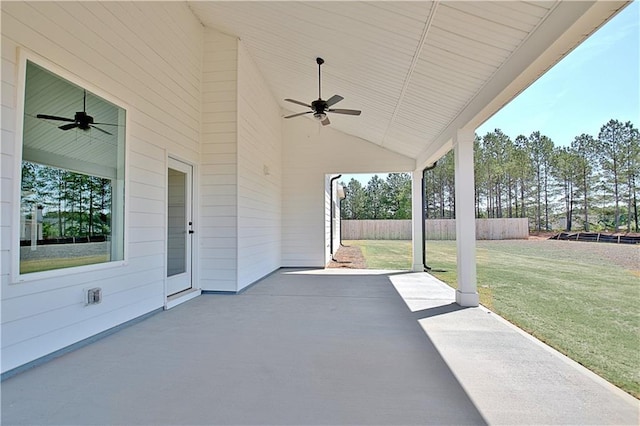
{"points": [[38, 265]]}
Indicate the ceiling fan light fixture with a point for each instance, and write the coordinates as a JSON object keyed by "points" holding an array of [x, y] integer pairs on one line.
{"points": [[320, 116]]}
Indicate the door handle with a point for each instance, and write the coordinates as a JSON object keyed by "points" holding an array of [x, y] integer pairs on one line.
{"points": [[190, 231]]}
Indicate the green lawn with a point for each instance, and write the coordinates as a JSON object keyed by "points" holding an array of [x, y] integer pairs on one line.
{"points": [[384, 254], [564, 294], [38, 265]]}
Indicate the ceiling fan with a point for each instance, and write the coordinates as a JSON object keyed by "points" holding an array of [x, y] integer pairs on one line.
{"points": [[81, 120], [320, 107]]}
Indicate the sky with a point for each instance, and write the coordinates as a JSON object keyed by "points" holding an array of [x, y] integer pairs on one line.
{"points": [[597, 82]]}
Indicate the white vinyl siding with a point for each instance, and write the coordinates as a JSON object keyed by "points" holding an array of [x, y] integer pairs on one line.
{"points": [[219, 164], [148, 57], [241, 169], [259, 174], [328, 195], [336, 217], [332, 201], [8, 152]]}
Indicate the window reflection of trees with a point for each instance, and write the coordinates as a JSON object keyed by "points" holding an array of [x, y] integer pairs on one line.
{"points": [[73, 205]]}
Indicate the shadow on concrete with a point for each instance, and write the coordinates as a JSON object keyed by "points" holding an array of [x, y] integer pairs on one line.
{"points": [[438, 310]]}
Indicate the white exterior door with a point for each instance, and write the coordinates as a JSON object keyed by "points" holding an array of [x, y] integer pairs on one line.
{"points": [[179, 226]]}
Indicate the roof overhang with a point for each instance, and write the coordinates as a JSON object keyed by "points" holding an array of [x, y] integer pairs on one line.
{"points": [[419, 71]]}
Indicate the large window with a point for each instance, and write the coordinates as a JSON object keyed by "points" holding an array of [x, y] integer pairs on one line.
{"points": [[72, 186]]}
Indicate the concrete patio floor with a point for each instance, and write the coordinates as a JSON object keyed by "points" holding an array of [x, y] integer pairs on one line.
{"points": [[327, 347]]}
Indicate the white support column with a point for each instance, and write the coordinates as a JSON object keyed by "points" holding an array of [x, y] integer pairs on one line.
{"points": [[416, 219], [467, 293]]}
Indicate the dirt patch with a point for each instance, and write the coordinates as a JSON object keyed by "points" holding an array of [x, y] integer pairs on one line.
{"points": [[542, 235], [624, 255], [348, 257], [617, 255]]}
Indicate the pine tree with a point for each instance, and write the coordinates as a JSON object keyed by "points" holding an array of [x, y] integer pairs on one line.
{"points": [[564, 167], [375, 198], [540, 148], [398, 199], [353, 206], [584, 147], [612, 140], [524, 172]]}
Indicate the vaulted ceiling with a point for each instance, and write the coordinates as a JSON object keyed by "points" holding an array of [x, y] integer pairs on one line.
{"points": [[417, 70]]}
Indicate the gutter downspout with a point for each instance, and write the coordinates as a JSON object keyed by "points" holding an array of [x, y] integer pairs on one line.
{"points": [[333, 179], [427, 268]]}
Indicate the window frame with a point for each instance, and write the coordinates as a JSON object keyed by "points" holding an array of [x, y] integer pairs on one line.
{"points": [[24, 56]]}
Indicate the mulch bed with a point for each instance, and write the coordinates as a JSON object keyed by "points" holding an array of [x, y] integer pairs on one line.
{"points": [[598, 237], [348, 257]]}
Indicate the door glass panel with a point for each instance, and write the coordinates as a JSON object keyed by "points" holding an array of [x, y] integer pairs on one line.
{"points": [[177, 229]]}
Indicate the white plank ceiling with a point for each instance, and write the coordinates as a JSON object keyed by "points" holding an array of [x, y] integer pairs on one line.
{"points": [[415, 69], [86, 151]]}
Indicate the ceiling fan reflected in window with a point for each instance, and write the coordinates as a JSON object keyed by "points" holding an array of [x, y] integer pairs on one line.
{"points": [[320, 107], [81, 120]]}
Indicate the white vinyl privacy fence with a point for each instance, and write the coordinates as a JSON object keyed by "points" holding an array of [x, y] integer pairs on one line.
{"points": [[436, 229]]}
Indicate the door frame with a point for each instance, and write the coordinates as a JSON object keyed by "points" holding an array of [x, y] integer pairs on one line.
{"points": [[173, 300]]}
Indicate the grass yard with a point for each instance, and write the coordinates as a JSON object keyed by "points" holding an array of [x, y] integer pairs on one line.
{"points": [[39, 265], [571, 295], [381, 254]]}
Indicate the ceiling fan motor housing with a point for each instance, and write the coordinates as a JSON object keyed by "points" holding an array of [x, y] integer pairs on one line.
{"points": [[319, 107], [83, 120]]}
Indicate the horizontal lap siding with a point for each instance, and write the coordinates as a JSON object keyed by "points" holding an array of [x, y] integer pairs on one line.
{"points": [[219, 164], [337, 238], [147, 56], [7, 155], [327, 219], [331, 201], [260, 174]]}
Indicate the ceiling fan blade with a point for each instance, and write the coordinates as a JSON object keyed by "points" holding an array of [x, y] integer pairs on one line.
{"points": [[55, 117], [98, 128], [346, 111], [298, 102], [325, 122], [107, 124], [334, 100], [298, 114], [68, 126]]}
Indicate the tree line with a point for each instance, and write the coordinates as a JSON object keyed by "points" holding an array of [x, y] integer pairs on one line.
{"points": [[592, 184], [388, 198], [73, 204]]}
